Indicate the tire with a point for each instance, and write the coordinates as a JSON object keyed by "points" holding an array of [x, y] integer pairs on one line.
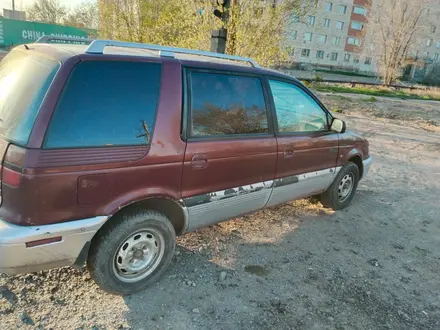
{"points": [[336, 198], [132, 252]]}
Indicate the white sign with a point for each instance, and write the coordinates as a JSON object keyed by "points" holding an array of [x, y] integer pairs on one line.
{"points": [[35, 35]]}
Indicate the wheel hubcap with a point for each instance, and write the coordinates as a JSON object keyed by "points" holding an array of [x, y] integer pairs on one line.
{"points": [[138, 255], [345, 187]]}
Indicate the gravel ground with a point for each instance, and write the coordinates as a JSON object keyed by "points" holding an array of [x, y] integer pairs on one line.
{"points": [[374, 265]]}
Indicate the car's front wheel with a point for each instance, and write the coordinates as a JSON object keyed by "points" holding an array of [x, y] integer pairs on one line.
{"points": [[131, 252], [342, 190]]}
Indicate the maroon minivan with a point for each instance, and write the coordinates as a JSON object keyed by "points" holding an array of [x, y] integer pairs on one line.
{"points": [[110, 149]]}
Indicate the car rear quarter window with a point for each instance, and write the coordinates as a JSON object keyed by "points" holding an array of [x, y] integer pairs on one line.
{"points": [[24, 81], [106, 103], [223, 104]]}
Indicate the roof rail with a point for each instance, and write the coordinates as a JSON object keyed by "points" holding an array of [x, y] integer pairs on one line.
{"points": [[97, 47], [47, 39]]}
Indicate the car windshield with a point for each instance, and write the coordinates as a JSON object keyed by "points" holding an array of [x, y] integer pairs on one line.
{"points": [[24, 81]]}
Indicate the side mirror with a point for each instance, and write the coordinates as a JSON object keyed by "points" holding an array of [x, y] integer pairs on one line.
{"points": [[338, 126]]}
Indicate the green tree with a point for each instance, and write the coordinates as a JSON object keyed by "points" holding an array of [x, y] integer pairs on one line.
{"points": [[256, 29], [164, 22]]}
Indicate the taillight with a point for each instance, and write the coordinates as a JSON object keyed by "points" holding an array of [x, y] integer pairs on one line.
{"points": [[12, 169]]}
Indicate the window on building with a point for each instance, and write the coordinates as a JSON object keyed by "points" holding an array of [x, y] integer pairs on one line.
{"points": [[436, 57], [334, 56], [360, 10], [433, 28], [357, 25], [296, 110], [305, 53], [322, 38], [97, 110], [295, 18], [308, 36], [329, 6], [356, 59], [342, 9], [311, 20], [340, 25], [326, 23], [347, 58], [354, 41], [438, 45], [429, 43], [368, 60], [226, 104], [337, 41], [294, 35], [320, 54]]}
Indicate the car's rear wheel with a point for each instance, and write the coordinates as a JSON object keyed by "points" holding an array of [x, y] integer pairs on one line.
{"points": [[342, 190], [132, 252]]}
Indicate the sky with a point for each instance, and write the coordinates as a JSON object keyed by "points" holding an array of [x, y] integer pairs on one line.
{"points": [[21, 4]]}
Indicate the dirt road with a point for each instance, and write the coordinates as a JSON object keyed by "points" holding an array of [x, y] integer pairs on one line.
{"points": [[375, 265]]}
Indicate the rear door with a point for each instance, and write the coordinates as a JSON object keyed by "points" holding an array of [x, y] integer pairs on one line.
{"points": [[307, 149], [231, 151], [113, 139]]}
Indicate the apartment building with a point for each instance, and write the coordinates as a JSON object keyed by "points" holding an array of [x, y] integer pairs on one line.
{"points": [[426, 49], [333, 36], [336, 35]]}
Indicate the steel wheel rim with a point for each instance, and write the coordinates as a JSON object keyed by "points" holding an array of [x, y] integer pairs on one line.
{"points": [[138, 255], [345, 187]]}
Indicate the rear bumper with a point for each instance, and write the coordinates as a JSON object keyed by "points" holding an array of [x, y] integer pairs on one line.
{"points": [[366, 165], [16, 258]]}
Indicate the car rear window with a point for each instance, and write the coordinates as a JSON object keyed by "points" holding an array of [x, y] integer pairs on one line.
{"points": [[106, 103], [24, 80]]}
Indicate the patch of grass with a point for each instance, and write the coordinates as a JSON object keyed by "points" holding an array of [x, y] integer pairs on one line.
{"points": [[318, 79], [307, 83], [337, 110], [380, 91], [370, 99], [341, 98]]}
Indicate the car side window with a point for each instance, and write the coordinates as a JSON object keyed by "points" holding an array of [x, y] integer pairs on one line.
{"points": [[296, 110], [106, 103], [223, 104]]}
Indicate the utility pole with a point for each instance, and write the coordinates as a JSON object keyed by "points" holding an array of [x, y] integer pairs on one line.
{"points": [[13, 8], [219, 37]]}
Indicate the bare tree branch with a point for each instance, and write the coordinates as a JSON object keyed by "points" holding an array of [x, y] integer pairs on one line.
{"points": [[47, 11], [395, 25], [84, 15]]}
